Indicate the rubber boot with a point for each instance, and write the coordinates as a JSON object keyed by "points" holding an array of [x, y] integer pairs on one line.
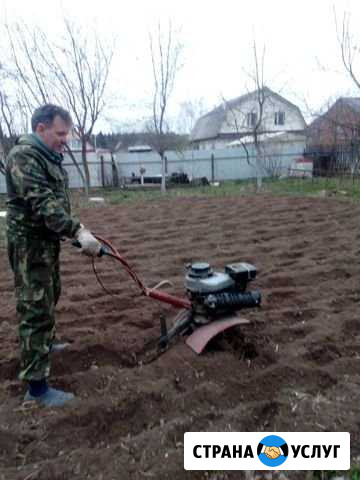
{"points": [[51, 398], [59, 347]]}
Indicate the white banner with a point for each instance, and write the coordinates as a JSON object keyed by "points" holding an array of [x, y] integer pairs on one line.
{"points": [[267, 451]]}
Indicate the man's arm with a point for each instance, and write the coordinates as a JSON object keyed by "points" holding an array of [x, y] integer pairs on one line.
{"points": [[30, 182]]}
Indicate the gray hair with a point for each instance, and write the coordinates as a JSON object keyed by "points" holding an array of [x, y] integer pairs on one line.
{"points": [[46, 114]]}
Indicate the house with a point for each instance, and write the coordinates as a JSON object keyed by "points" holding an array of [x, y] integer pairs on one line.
{"points": [[339, 125], [333, 139], [237, 118]]}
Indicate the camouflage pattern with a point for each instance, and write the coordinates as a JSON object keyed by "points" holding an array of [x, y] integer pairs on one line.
{"points": [[38, 215], [35, 263], [37, 187]]}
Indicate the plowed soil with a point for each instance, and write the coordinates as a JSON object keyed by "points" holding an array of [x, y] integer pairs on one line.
{"points": [[295, 367]]}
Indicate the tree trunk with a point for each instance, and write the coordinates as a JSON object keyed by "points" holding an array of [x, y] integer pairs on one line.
{"points": [[85, 165], [163, 173], [259, 168], [102, 170], [2, 167], [6, 144], [77, 166]]}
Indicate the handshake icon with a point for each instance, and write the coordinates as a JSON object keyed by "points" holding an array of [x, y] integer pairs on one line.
{"points": [[273, 452]]}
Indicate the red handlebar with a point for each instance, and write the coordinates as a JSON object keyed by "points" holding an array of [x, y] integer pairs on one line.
{"points": [[171, 299], [164, 297]]}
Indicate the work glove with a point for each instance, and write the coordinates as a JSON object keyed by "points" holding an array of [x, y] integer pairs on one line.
{"points": [[89, 245]]}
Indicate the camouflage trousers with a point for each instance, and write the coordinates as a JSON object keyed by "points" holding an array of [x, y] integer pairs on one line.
{"points": [[35, 263]]}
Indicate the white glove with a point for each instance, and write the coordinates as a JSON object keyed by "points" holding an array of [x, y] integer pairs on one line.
{"points": [[89, 245]]}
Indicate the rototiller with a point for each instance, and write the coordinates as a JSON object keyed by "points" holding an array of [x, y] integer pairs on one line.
{"points": [[212, 299]]}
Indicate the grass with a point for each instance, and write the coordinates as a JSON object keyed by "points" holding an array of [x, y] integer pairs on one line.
{"points": [[338, 187], [130, 195]]}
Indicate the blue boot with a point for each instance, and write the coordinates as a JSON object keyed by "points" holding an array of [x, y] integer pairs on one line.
{"points": [[51, 398], [59, 347]]}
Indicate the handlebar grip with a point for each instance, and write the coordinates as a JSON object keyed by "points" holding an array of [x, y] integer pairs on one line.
{"points": [[103, 250]]}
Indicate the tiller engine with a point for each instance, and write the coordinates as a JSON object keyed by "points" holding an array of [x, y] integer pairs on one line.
{"points": [[212, 299]]}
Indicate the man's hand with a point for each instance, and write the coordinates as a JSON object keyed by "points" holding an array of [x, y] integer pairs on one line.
{"points": [[272, 452], [89, 245]]}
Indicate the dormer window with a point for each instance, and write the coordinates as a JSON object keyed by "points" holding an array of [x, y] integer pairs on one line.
{"points": [[279, 118]]}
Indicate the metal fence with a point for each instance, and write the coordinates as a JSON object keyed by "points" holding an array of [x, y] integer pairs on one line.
{"points": [[334, 161], [215, 165]]}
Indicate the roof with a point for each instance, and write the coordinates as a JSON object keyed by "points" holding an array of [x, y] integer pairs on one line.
{"points": [[352, 102], [268, 137], [209, 125], [139, 148]]}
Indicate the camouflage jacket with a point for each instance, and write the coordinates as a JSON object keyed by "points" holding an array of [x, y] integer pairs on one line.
{"points": [[37, 186]]}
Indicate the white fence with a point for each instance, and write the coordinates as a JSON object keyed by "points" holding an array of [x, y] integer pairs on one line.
{"points": [[227, 164], [215, 165]]}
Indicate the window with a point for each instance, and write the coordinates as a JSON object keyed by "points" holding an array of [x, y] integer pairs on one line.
{"points": [[251, 119], [355, 132], [339, 130], [279, 118]]}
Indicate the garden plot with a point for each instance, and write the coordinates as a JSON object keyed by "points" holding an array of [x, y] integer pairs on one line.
{"points": [[296, 366]]}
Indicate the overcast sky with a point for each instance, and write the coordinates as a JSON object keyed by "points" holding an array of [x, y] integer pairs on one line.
{"points": [[302, 57]]}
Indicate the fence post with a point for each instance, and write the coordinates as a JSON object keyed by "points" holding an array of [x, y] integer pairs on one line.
{"points": [[212, 168], [115, 173]]}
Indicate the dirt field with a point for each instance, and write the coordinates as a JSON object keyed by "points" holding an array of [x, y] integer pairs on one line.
{"points": [[295, 367]]}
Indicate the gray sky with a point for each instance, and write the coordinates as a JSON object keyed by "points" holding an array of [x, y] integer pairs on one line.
{"points": [[302, 59]]}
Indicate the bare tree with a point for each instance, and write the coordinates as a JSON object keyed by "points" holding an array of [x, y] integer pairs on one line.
{"points": [[190, 112], [350, 53], [335, 136], [234, 123], [258, 78], [72, 72], [7, 133], [165, 50], [251, 123], [13, 118], [337, 131]]}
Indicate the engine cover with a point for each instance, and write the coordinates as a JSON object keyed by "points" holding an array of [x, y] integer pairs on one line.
{"points": [[217, 282], [212, 292], [201, 279], [242, 273]]}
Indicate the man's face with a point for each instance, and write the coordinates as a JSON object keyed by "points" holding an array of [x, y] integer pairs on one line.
{"points": [[54, 135]]}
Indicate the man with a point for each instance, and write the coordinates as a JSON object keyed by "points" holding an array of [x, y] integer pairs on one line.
{"points": [[38, 215]]}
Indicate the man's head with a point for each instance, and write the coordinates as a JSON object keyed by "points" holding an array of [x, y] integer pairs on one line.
{"points": [[52, 124]]}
